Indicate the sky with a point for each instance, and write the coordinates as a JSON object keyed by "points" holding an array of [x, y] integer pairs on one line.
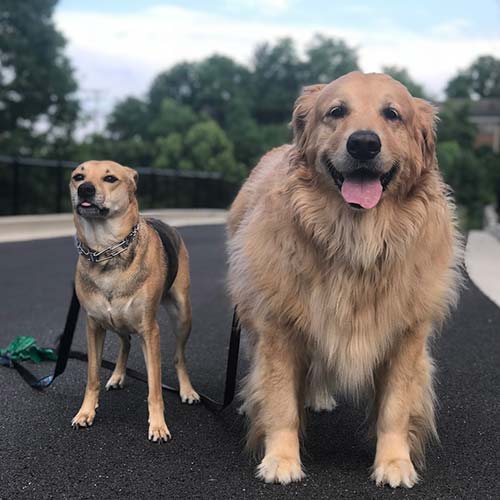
{"points": [[117, 47]]}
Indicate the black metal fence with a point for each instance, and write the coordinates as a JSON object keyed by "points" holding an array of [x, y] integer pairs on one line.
{"points": [[33, 186]]}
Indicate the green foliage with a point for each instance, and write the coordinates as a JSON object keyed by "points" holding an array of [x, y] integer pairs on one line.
{"points": [[328, 59], [172, 117], [469, 177], [36, 79], [276, 81], [130, 118], [480, 79], [454, 123], [205, 147]]}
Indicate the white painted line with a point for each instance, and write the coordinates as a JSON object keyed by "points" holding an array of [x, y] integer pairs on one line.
{"points": [[482, 259]]}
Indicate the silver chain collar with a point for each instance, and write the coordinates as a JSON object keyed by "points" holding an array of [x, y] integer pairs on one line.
{"points": [[107, 253]]}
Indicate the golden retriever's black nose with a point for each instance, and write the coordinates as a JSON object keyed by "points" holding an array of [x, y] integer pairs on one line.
{"points": [[364, 145], [86, 190]]}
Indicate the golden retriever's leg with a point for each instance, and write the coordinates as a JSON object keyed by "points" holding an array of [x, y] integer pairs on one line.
{"points": [[117, 379], [274, 402], [179, 309], [158, 430], [95, 342], [404, 396]]}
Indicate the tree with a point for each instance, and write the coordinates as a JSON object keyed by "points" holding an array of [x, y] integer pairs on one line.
{"points": [[276, 80], [328, 59], [481, 79], [129, 118], [36, 79], [468, 176], [222, 83], [205, 147], [210, 150], [209, 86], [454, 124], [171, 117], [179, 83], [402, 76]]}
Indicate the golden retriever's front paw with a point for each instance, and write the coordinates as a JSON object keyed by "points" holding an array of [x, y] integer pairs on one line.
{"points": [[159, 432], [395, 473], [277, 469], [83, 418]]}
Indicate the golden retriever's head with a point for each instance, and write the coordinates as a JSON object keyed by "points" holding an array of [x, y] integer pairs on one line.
{"points": [[367, 133], [101, 189]]}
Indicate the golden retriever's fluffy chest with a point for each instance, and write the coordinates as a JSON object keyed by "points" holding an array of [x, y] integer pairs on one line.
{"points": [[352, 319]]}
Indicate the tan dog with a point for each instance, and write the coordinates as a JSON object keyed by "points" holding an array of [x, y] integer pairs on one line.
{"points": [[123, 292], [343, 260]]}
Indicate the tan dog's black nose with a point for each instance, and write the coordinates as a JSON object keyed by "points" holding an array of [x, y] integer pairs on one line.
{"points": [[364, 145], [86, 190]]}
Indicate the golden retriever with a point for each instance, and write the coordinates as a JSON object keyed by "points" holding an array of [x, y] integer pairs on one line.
{"points": [[343, 259]]}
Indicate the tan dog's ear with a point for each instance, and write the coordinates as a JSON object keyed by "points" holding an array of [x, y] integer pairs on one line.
{"points": [[426, 120], [133, 176], [303, 106]]}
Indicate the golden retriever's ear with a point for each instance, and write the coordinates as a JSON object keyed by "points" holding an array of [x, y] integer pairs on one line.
{"points": [[133, 176], [426, 120], [303, 106]]}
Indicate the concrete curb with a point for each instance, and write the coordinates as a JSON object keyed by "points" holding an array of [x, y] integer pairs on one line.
{"points": [[482, 259], [36, 227]]}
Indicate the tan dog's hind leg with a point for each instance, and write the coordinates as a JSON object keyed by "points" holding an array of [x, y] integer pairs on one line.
{"points": [[95, 342], [273, 403], [318, 390], [179, 310], [158, 430], [117, 379], [404, 395]]}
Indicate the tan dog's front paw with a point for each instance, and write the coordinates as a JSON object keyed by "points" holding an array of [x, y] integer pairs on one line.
{"points": [[395, 473], [115, 382], [83, 418], [159, 432], [276, 469], [189, 396]]}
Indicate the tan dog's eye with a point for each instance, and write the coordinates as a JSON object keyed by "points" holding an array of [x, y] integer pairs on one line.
{"points": [[110, 178], [78, 177], [338, 112], [391, 114]]}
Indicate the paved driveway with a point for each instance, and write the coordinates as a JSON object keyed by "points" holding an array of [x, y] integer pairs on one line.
{"points": [[42, 457]]}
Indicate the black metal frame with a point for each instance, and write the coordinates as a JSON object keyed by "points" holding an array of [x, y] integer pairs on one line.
{"points": [[158, 188]]}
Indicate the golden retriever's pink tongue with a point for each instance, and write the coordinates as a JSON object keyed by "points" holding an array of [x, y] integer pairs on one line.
{"points": [[364, 192]]}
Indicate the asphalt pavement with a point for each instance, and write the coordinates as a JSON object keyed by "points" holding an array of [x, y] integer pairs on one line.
{"points": [[41, 456]]}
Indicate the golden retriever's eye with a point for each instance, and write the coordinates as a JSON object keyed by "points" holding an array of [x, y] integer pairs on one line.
{"points": [[338, 112], [110, 178], [78, 177], [391, 114]]}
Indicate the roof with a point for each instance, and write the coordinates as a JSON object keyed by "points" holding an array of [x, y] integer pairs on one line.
{"points": [[485, 107]]}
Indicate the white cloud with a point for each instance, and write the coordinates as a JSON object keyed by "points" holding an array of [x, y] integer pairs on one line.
{"points": [[120, 54], [452, 28]]}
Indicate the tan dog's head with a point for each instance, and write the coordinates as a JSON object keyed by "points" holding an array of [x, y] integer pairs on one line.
{"points": [[367, 133], [102, 189]]}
